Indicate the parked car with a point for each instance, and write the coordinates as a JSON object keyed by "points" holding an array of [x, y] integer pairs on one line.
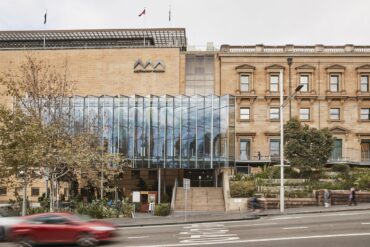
{"points": [[56, 228]]}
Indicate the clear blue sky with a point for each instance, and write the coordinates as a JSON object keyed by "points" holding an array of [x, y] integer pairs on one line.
{"points": [[237, 22]]}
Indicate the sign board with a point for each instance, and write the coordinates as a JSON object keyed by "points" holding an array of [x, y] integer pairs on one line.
{"points": [[136, 196], [186, 183]]}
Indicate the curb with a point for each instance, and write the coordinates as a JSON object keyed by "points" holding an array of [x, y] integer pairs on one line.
{"points": [[314, 212]]}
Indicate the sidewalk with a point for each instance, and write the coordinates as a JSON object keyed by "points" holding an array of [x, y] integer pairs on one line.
{"points": [[144, 219]]}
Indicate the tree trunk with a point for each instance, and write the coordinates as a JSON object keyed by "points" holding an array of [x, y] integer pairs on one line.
{"points": [[52, 193], [24, 201]]}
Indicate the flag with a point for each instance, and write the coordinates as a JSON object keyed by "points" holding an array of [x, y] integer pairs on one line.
{"points": [[169, 15], [142, 13], [45, 16]]}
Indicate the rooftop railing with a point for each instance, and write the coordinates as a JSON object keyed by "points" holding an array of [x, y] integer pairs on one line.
{"points": [[316, 49]]}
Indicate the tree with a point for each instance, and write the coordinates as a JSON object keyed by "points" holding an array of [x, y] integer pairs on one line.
{"points": [[307, 148], [19, 155]]}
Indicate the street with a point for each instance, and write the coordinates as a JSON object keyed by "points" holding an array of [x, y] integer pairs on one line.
{"points": [[326, 229]]}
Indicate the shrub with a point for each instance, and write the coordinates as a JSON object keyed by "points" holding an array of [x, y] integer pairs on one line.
{"points": [[162, 209], [97, 209], [363, 182], [242, 188], [341, 168]]}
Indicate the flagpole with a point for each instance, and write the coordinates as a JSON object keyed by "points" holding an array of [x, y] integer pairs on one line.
{"points": [[45, 21], [145, 25]]}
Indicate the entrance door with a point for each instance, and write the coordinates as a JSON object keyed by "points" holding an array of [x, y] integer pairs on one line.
{"points": [[200, 177]]}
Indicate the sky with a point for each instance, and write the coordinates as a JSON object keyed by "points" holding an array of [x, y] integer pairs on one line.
{"points": [[234, 22]]}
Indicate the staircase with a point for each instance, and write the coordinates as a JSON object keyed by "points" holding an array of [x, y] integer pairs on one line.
{"points": [[203, 199]]}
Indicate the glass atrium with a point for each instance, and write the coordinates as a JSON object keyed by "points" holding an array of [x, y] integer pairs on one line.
{"points": [[166, 131]]}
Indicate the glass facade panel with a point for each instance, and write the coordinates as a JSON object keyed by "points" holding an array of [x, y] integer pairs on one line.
{"points": [[199, 74], [167, 131], [304, 113]]}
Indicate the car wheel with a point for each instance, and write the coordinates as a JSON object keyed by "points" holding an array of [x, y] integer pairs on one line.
{"points": [[24, 241], [2, 233], [86, 239]]}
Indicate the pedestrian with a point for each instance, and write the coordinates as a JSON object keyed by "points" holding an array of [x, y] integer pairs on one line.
{"points": [[327, 198], [352, 197], [259, 155]]}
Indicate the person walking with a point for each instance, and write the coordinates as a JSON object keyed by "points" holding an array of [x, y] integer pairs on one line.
{"points": [[352, 197], [326, 198]]}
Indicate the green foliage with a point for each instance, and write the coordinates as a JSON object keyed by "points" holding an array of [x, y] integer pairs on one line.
{"points": [[97, 210], [242, 188], [363, 182], [307, 148], [241, 177], [341, 168], [298, 194], [127, 208], [162, 209]]}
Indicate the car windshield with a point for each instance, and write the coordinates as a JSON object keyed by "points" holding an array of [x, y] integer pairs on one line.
{"points": [[81, 218]]}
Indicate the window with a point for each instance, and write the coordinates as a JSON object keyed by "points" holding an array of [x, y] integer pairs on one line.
{"points": [[334, 113], [35, 191], [365, 150], [275, 149], [244, 83], [245, 149], [364, 83], [336, 153], [365, 114], [334, 83], [274, 83], [199, 74], [304, 113], [274, 113], [244, 113], [303, 80], [3, 191]]}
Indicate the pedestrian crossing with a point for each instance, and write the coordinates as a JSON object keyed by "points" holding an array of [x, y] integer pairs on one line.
{"points": [[206, 233]]}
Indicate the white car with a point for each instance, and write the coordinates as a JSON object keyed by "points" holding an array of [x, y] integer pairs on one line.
{"points": [[6, 223]]}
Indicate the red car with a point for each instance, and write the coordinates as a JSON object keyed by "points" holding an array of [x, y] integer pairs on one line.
{"points": [[65, 228]]}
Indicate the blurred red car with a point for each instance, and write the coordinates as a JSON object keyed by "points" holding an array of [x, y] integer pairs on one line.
{"points": [[65, 228]]}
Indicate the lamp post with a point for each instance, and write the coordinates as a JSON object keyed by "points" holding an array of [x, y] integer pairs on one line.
{"points": [[22, 174], [282, 105], [290, 61]]}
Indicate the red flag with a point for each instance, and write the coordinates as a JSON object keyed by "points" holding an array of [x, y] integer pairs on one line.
{"points": [[142, 13]]}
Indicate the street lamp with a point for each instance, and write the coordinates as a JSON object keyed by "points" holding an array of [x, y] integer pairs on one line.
{"points": [[282, 104], [290, 61]]}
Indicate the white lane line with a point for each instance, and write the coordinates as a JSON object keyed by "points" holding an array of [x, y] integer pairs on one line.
{"points": [[250, 225], [138, 237], [286, 218], [366, 223], [295, 227], [261, 240]]}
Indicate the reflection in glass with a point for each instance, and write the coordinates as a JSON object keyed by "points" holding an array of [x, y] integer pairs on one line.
{"points": [[167, 131]]}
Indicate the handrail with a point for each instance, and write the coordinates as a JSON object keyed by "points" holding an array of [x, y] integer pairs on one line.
{"points": [[173, 199]]}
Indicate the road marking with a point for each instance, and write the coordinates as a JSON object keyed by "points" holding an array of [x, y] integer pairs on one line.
{"points": [[366, 223], [138, 237], [259, 240], [206, 233], [296, 227], [286, 218]]}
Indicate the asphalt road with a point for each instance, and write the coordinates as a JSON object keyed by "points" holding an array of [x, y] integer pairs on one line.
{"points": [[326, 229]]}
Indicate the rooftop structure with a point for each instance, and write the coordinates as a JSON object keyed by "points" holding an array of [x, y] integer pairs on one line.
{"points": [[295, 49], [98, 38]]}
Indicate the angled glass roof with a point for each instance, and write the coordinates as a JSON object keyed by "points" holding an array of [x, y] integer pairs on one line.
{"points": [[99, 38]]}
